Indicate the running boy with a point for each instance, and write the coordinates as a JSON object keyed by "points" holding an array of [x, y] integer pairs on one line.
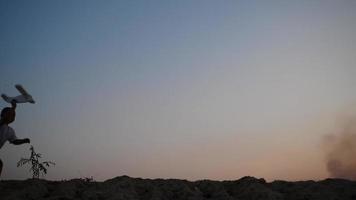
{"points": [[6, 132]]}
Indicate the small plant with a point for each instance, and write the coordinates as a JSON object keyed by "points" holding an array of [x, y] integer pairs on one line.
{"points": [[37, 167]]}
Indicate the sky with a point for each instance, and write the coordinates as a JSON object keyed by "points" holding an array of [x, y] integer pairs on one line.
{"points": [[185, 89]]}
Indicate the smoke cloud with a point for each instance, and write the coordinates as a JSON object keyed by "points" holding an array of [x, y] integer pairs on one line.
{"points": [[341, 152]]}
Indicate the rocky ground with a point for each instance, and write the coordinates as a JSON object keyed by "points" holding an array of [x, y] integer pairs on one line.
{"points": [[127, 188]]}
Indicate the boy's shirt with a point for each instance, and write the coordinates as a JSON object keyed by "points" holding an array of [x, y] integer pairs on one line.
{"points": [[6, 134]]}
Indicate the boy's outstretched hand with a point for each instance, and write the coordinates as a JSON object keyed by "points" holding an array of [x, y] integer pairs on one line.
{"points": [[20, 141]]}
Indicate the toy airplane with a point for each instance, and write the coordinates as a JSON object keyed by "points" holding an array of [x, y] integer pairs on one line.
{"points": [[23, 98]]}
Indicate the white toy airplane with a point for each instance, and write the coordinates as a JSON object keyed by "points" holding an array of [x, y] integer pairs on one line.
{"points": [[23, 98]]}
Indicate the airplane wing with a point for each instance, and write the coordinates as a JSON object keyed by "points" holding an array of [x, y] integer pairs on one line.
{"points": [[21, 90]]}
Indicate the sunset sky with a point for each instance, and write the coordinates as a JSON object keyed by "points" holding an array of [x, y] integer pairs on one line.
{"points": [[185, 89]]}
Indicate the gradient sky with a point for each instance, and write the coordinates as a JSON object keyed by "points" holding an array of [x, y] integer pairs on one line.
{"points": [[178, 89]]}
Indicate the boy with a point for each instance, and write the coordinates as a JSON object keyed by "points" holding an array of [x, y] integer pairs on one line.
{"points": [[6, 132]]}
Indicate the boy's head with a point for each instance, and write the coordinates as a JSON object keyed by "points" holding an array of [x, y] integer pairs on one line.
{"points": [[8, 115]]}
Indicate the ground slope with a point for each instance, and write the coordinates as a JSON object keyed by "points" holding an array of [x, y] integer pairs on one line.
{"points": [[127, 188]]}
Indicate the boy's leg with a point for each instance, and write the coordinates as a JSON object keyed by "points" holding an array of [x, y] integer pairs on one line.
{"points": [[0, 166]]}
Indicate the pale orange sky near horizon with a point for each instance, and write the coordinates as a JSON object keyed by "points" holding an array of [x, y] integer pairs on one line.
{"points": [[188, 89]]}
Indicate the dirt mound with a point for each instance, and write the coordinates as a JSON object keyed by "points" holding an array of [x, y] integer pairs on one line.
{"points": [[127, 188]]}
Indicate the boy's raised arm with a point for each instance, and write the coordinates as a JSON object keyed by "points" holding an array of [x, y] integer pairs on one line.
{"points": [[13, 104]]}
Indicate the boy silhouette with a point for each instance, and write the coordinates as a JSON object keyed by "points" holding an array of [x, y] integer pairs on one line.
{"points": [[6, 132]]}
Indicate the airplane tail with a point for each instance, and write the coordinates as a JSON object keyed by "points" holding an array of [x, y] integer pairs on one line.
{"points": [[6, 98]]}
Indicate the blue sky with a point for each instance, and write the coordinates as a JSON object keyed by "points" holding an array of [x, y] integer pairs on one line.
{"points": [[179, 89]]}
